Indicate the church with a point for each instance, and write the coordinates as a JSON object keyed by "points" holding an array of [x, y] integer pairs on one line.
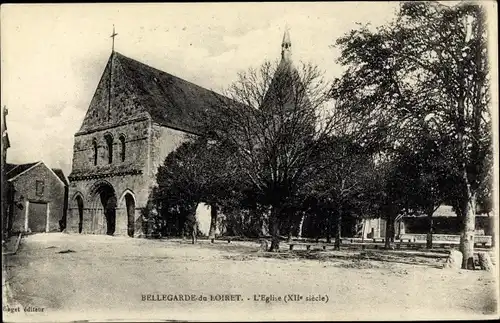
{"points": [[137, 116]]}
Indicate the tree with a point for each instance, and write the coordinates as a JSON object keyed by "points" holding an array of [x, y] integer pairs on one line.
{"points": [[341, 185], [421, 178], [179, 182], [195, 172], [386, 194], [273, 125], [428, 71]]}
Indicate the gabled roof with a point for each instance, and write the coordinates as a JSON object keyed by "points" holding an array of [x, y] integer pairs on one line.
{"points": [[443, 211], [59, 173], [14, 170], [168, 99]]}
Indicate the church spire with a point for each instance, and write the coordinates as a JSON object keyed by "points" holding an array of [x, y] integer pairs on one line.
{"points": [[286, 46]]}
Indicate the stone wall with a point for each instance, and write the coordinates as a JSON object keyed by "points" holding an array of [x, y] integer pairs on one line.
{"points": [[146, 146], [53, 194], [123, 105], [163, 141], [124, 176], [146, 149], [136, 144], [135, 185]]}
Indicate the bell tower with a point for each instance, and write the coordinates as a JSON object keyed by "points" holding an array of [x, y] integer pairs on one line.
{"points": [[286, 46]]}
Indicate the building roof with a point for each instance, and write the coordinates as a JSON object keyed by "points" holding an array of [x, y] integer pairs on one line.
{"points": [[13, 170], [169, 100], [286, 87], [286, 36], [445, 211], [59, 173], [283, 85]]}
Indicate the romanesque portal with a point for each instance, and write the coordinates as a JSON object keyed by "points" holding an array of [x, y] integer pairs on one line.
{"points": [[104, 213]]}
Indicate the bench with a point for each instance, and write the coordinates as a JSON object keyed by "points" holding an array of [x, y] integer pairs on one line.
{"points": [[479, 240], [438, 244], [307, 244]]}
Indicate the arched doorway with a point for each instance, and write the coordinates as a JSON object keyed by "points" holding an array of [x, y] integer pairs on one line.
{"points": [[130, 204], [104, 209], [79, 202]]}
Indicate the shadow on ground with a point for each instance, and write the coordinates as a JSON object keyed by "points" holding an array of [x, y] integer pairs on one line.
{"points": [[346, 257]]}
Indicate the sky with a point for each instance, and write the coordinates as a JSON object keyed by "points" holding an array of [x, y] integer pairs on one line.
{"points": [[53, 55]]}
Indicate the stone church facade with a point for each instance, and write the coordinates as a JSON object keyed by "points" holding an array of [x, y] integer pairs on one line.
{"points": [[137, 116]]}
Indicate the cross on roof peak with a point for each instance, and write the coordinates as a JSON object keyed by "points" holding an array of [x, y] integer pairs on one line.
{"points": [[113, 35]]}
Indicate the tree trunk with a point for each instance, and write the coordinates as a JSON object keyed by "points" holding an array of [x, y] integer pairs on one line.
{"points": [[328, 229], [275, 228], [193, 225], [430, 232], [363, 231], [467, 235], [392, 232], [185, 225], [338, 231], [301, 225], [389, 229], [262, 228], [213, 221], [290, 228], [194, 233]]}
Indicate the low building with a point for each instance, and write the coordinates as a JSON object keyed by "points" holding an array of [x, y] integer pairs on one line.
{"points": [[444, 221], [37, 198], [374, 228]]}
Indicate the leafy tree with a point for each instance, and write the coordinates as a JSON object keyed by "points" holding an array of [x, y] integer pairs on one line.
{"points": [[422, 180], [340, 187], [427, 71], [195, 172], [243, 216]]}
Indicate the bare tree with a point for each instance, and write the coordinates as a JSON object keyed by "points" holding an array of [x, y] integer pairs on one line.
{"points": [[273, 126]]}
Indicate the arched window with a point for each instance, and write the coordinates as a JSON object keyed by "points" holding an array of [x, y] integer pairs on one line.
{"points": [[94, 145], [122, 145], [109, 144]]}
